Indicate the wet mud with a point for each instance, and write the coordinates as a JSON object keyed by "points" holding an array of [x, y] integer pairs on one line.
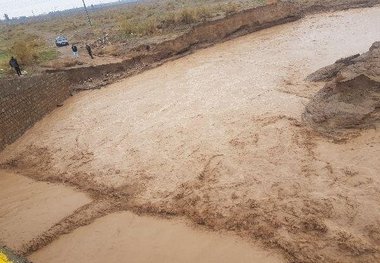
{"points": [[217, 137]]}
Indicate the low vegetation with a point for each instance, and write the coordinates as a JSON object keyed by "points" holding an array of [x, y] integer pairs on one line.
{"points": [[134, 20], [27, 48], [115, 29], [151, 19]]}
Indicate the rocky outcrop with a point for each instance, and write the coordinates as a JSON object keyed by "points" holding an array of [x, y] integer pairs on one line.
{"points": [[351, 99], [330, 72]]}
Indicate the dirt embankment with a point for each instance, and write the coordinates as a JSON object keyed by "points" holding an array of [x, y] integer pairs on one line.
{"points": [[351, 99], [203, 35], [200, 36], [208, 137], [323, 5]]}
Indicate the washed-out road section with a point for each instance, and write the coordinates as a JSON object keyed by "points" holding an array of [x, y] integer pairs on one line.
{"points": [[217, 137]]}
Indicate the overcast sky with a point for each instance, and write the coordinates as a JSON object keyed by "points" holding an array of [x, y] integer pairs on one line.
{"points": [[15, 8]]}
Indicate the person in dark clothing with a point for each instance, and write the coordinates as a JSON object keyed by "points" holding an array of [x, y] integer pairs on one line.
{"points": [[89, 51], [75, 50], [14, 64]]}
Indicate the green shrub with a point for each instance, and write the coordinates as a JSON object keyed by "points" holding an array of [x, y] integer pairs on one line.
{"points": [[30, 50], [25, 52]]}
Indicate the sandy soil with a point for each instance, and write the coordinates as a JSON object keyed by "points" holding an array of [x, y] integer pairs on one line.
{"points": [[66, 59], [29, 208], [217, 137], [351, 99], [145, 239]]}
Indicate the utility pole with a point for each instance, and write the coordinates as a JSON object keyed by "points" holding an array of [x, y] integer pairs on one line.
{"points": [[88, 16]]}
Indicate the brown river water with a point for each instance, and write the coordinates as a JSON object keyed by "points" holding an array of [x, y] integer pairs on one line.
{"points": [[217, 137]]}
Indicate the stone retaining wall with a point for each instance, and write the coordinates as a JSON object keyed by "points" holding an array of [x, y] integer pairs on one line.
{"points": [[24, 101]]}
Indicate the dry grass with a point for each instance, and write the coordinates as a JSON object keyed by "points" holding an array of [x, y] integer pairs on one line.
{"points": [[28, 49], [128, 23], [25, 52], [4, 68], [187, 16], [124, 27], [62, 63], [109, 50], [150, 19], [231, 8], [148, 27]]}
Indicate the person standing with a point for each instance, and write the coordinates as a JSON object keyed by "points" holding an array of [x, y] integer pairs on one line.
{"points": [[74, 48], [14, 64], [89, 50]]}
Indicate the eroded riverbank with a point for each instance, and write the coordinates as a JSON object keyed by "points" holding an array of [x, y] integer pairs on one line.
{"points": [[217, 137]]}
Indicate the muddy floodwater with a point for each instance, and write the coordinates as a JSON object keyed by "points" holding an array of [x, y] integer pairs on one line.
{"points": [[30, 208], [130, 238], [217, 137]]}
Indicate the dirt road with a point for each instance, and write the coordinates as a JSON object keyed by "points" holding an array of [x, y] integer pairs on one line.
{"points": [[217, 137]]}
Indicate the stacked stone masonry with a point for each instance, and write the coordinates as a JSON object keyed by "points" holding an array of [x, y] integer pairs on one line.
{"points": [[26, 100]]}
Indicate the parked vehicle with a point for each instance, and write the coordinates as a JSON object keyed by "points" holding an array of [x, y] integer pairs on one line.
{"points": [[61, 41]]}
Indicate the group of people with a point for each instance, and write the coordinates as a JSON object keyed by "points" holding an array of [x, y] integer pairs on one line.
{"points": [[16, 66], [74, 48]]}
